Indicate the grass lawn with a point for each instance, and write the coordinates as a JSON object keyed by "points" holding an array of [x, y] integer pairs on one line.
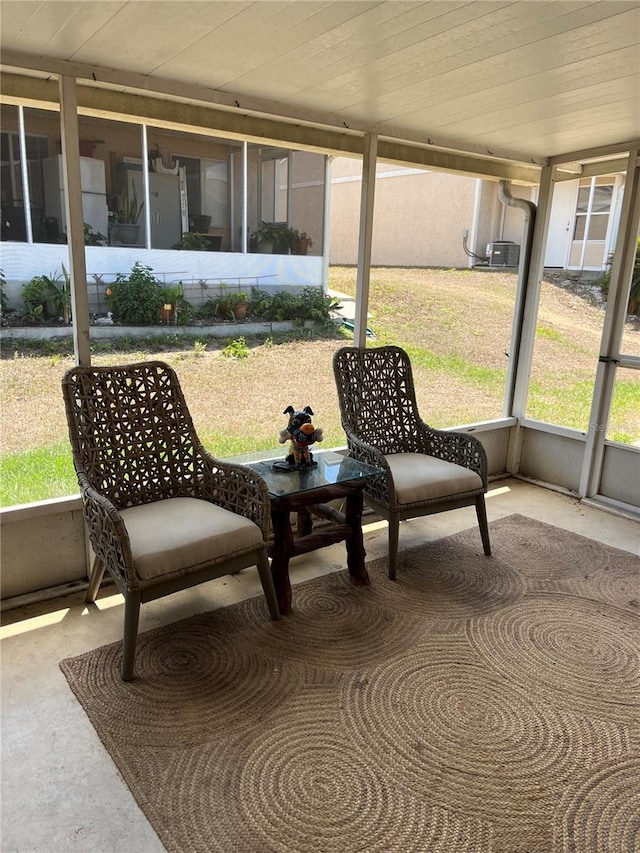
{"points": [[456, 325]]}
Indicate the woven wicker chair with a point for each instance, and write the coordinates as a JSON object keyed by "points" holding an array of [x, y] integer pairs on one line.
{"points": [[426, 470], [161, 512]]}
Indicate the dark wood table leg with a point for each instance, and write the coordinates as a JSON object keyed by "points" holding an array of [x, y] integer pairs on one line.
{"points": [[281, 552], [355, 542], [305, 522]]}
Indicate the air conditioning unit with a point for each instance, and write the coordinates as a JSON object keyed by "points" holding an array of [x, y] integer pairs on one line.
{"points": [[503, 253]]}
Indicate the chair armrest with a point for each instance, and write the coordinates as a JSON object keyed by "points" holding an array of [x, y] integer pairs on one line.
{"points": [[236, 488], [378, 488], [108, 534], [458, 447]]}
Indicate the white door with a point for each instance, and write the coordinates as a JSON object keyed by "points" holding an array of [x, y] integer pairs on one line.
{"points": [[593, 221], [563, 209]]}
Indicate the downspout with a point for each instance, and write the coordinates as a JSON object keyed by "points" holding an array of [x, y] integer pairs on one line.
{"points": [[529, 208]]}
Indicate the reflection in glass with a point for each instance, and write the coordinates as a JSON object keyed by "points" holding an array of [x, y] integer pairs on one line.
{"points": [[40, 128]]}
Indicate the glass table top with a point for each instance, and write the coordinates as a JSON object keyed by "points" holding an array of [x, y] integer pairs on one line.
{"points": [[332, 468]]}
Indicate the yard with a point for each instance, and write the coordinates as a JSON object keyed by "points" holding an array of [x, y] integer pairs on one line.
{"points": [[456, 325]]}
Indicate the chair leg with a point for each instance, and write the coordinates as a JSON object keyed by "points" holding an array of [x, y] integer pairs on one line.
{"points": [[267, 585], [97, 573], [394, 535], [131, 617], [481, 512]]}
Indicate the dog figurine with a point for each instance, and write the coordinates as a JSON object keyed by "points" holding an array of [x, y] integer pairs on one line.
{"points": [[301, 435]]}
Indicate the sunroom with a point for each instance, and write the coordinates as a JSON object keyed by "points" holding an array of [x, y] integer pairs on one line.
{"points": [[241, 107]]}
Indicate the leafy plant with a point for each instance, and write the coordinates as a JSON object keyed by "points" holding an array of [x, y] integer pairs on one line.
{"points": [[60, 294], [48, 294], [282, 238], [299, 241], [129, 210], [173, 292], [93, 238], [32, 315], [224, 307], [311, 303], [192, 242], [604, 281], [236, 349], [138, 298], [36, 291], [267, 232]]}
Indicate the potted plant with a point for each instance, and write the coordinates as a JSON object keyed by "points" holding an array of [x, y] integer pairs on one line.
{"points": [[192, 242], [300, 242], [270, 238], [127, 215], [239, 304], [231, 305], [171, 295]]}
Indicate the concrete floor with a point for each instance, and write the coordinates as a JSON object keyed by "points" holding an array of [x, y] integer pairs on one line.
{"points": [[60, 790]]}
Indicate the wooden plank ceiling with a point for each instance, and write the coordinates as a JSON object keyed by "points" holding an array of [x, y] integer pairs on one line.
{"points": [[529, 80]]}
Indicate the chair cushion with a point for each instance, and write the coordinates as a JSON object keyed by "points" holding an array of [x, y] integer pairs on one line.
{"points": [[181, 533], [418, 477]]}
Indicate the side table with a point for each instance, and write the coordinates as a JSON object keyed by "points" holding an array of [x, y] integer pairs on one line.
{"points": [[307, 494]]}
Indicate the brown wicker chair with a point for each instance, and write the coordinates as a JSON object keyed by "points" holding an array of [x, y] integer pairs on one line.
{"points": [[161, 512], [426, 470]]}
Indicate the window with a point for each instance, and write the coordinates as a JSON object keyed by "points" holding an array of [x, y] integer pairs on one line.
{"points": [[274, 181], [592, 213], [214, 177], [13, 196]]}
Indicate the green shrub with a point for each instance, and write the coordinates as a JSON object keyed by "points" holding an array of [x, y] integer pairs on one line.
{"points": [[311, 304], [48, 295], [236, 349], [36, 291], [137, 299], [633, 306]]}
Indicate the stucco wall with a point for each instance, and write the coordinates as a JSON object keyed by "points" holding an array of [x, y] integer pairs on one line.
{"points": [[418, 221]]}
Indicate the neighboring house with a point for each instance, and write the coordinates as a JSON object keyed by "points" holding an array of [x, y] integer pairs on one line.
{"points": [[215, 189], [426, 218]]}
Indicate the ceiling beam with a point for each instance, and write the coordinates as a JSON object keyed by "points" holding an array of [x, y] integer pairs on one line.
{"points": [[174, 115], [591, 170], [459, 162], [594, 153], [191, 93]]}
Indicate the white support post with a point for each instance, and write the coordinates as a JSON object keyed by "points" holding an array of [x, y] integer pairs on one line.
{"points": [[75, 219], [531, 298], [326, 221], [145, 186], [24, 171], [365, 238], [245, 198], [613, 328]]}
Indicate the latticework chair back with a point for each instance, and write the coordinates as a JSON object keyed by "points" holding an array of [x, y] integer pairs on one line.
{"points": [[426, 470], [377, 398], [131, 432]]}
